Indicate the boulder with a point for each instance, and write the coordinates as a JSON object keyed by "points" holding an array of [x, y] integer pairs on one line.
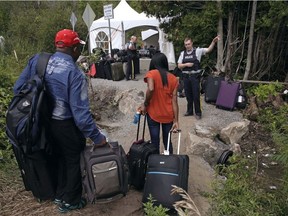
{"points": [[234, 131], [206, 148], [129, 100], [206, 131]]}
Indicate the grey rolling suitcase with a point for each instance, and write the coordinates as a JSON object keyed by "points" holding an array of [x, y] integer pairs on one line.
{"points": [[163, 171], [117, 71], [104, 172]]}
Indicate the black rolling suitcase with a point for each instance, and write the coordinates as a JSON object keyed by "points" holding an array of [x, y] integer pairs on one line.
{"points": [[212, 88], [137, 158], [104, 172], [100, 73], [163, 171], [107, 70], [38, 173]]}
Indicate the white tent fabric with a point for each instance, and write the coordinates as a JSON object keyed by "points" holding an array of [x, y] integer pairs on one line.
{"points": [[148, 33], [126, 18]]}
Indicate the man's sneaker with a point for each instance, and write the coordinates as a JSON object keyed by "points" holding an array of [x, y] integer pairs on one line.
{"points": [[188, 114], [181, 95], [197, 117], [58, 201], [65, 207]]}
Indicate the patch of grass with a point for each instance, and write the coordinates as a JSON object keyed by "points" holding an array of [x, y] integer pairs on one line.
{"points": [[152, 210], [242, 192]]}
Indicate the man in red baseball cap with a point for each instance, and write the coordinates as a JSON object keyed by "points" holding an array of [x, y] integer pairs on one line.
{"points": [[71, 120], [68, 41], [67, 38]]}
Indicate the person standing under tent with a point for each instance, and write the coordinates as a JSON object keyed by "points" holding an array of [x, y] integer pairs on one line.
{"points": [[132, 61]]}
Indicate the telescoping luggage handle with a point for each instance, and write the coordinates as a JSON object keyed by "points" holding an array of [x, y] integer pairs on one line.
{"points": [[138, 128], [166, 151]]}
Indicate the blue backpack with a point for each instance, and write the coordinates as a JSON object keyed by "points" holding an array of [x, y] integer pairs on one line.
{"points": [[28, 112]]}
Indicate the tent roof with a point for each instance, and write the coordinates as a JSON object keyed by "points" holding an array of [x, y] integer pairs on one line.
{"points": [[124, 13], [126, 18], [148, 33]]}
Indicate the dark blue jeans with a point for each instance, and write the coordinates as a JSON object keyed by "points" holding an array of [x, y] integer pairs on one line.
{"points": [[154, 129]]}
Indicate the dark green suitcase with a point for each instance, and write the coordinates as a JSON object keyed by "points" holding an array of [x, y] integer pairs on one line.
{"points": [[117, 71]]}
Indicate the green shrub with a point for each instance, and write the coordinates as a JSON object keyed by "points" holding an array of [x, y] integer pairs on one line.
{"points": [[262, 91], [151, 210], [5, 97]]}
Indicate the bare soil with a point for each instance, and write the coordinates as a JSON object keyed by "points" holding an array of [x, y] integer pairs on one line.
{"points": [[14, 200]]}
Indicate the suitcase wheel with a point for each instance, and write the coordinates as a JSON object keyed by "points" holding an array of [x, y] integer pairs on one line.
{"points": [[223, 160]]}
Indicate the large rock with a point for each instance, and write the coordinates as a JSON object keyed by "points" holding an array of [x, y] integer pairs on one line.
{"points": [[234, 131], [206, 148], [206, 131], [128, 101]]}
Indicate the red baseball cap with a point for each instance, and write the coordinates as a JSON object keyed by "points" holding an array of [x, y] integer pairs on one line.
{"points": [[67, 38]]}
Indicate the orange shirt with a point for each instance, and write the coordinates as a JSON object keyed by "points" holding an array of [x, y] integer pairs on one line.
{"points": [[160, 107]]}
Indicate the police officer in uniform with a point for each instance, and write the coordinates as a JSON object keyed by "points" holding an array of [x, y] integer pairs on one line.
{"points": [[189, 63], [133, 60]]}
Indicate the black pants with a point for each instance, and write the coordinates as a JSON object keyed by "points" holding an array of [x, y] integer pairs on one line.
{"points": [[68, 144], [181, 84], [132, 67], [192, 92]]}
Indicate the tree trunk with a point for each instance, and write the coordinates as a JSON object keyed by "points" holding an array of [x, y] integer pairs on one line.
{"points": [[256, 52], [227, 65], [220, 48], [243, 40], [251, 37], [268, 60]]}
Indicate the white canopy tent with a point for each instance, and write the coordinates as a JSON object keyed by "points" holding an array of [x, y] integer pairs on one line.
{"points": [[126, 18], [148, 33]]}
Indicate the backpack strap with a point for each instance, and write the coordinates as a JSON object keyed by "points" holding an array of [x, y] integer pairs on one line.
{"points": [[42, 64]]}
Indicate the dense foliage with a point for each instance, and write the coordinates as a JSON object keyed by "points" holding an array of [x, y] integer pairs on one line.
{"points": [[5, 97]]}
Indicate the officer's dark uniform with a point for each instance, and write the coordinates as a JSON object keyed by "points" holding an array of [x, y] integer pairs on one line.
{"points": [[191, 77], [133, 63]]}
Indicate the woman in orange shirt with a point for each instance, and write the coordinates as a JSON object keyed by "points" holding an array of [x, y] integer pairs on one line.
{"points": [[161, 105]]}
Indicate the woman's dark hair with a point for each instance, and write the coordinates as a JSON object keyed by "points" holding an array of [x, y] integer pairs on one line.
{"points": [[159, 61]]}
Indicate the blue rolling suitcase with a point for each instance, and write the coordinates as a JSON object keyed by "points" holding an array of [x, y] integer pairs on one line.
{"points": [[164, 171], [227, 95]]}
